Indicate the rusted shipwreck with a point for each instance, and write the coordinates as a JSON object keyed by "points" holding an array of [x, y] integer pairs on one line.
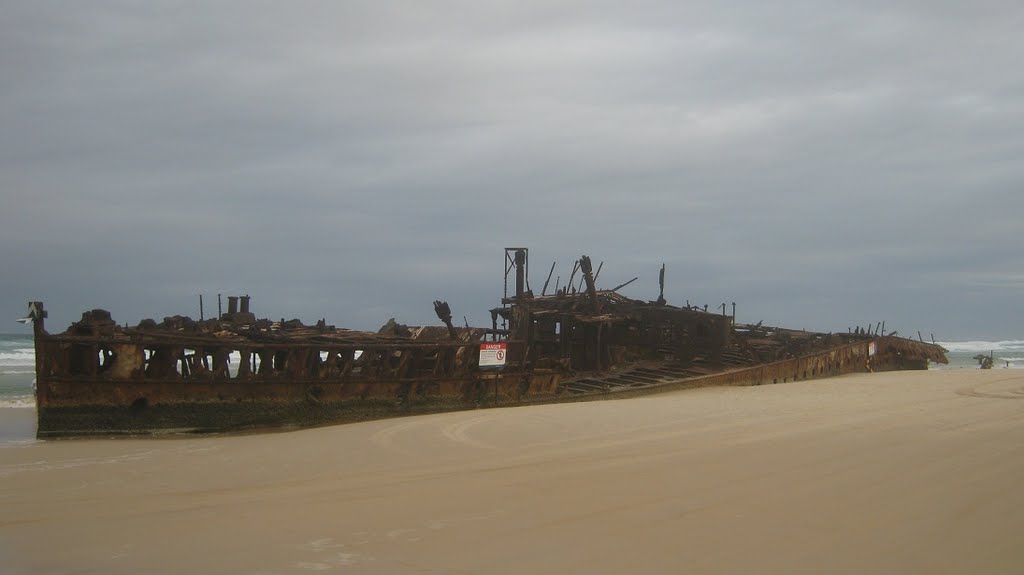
{"points": [[238, 372]]}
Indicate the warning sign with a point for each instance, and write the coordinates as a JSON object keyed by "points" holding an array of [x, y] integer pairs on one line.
{"points": [[872, 348], [492, 354]]}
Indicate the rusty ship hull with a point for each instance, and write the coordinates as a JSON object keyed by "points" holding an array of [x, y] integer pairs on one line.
{"points": [[237, 372], [175, 380]]}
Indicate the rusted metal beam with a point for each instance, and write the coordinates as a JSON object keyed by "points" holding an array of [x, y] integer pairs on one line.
{"points": [[622, 285], [588, 276], [544, 290], [444, 313]]}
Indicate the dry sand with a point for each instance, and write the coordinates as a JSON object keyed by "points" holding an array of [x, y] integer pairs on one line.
{"points": [[919, 472]]}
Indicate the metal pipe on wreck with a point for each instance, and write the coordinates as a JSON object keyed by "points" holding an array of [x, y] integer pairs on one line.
{"points": [[620, 286], [547, 281], [568, 284]]}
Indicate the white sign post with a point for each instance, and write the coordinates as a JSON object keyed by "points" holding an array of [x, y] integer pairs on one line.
{"points": [[492, 354]]}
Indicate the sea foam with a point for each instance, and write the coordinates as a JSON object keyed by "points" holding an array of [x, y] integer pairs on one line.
{"points": [[17, 358], [984, 346], [17, 402]]}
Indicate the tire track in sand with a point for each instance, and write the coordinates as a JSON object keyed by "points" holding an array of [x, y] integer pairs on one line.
{"points": [[457, 431], [975, 391], [386, 437]]}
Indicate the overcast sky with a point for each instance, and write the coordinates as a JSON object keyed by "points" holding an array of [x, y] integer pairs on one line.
{"points": [[821, 164]]}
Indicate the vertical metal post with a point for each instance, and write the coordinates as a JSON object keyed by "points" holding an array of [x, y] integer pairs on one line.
{"points": [[520, 272], [661, 286], [38, 314], [517, 259]]}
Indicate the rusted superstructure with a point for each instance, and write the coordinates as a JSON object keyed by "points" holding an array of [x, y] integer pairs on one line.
{"points": [[239, 372]]}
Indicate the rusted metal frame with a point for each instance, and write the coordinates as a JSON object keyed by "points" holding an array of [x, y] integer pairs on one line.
{"points": [[407, 362], [236, 339], [129, 337], [245, 363], [291, 360], [426, 362], [378, 365], [385, 364], [310, 380], [160, 361], [80, 359], [348, 360], [238, 344], [92, 363], [754, 355], [196, 368], [440, 362], [51, 358], [299, 362], [266, 356], [326, 367], [844, 359]]}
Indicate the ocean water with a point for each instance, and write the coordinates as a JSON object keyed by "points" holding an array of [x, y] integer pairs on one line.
{"points": [[17, 372], [1007, 354]]}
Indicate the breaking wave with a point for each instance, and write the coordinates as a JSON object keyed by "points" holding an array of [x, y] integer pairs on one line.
{"points": [[18, 402], [994, 347], [17, 360]]}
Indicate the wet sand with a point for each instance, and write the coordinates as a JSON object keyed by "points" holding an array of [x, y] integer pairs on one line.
{"points": [[913, 472], [17, 426]]}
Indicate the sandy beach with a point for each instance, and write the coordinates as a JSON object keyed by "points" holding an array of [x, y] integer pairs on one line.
{"points": [[912, 472]]}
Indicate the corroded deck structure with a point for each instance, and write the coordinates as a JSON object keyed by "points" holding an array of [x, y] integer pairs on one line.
{"points": [[237, 372]]}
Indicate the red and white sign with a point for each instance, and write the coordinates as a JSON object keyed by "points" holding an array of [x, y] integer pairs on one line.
{"points": [[492, 354]]}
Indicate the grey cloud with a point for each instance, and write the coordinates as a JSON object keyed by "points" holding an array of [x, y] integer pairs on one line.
{"points": [[817, 163]]}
